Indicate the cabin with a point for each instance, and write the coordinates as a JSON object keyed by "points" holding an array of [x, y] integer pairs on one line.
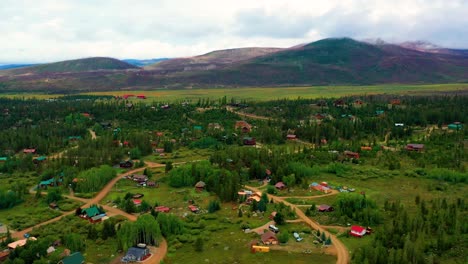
{"points": [[137, 202], [162, 209], [86, 114], [106, 125], [455, 126], [93, 214], [366, 148], [395, 102], [74, 138], [379, 112], [138, 196], [152, 184], [3, 159], [358, 103], [75, 258], [48, 183], [249, 141], [53, 206], [166, 106], [415, 147], [351, 155], [325, 208], [126, 164], [29, 151], [138, 253], [200, 186], [280, 186], [269, 238], [291, 137], [357, 231], [243, 126], [139, 178], [319, 187], [20, 243], [399, 125], [39, 159], [193, 208], [339, 103]]}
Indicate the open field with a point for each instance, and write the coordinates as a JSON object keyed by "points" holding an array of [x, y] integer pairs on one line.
{"points": [[265, 94]]}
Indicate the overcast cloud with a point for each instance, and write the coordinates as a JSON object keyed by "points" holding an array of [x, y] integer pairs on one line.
{"points": [[51, 30]]}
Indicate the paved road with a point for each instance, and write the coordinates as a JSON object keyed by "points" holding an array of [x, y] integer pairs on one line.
{"points": [[342, 251]]}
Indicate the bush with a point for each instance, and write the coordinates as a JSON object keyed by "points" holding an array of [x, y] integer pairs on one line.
{"points": [[283, 237]]}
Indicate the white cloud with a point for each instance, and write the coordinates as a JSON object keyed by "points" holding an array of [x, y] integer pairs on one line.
{"points": [[50, 30]]}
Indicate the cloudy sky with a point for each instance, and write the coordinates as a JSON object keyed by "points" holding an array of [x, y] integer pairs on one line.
{"points": [[51, 30]]}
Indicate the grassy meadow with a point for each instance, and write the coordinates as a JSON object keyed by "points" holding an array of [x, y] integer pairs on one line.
{"points": [[265, 94]]}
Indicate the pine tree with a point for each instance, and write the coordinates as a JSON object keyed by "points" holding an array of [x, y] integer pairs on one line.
{"points": [[239, 213], [198, 245]]}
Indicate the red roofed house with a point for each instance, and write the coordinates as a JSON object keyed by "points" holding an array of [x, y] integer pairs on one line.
{"points": [[29, 151], [243, 126], [280, 186], [193, 208], [350, 154], [325, 208], [162, 209], [137, 202], [126, 96], [269, 238], [357, 231], [4, 255], [415, 147], [291, 137], [141, 96]]}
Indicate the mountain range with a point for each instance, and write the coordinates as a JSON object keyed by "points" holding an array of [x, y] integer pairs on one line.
{"points": [[335, 61]]}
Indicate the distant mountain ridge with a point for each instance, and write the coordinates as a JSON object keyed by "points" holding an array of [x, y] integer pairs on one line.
{"points": [[14, 66], [79, 65], [334, 61], [211, 60], [141, 63]]}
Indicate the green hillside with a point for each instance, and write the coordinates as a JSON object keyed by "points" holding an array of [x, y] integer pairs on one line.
{"points": [[80, 65]]}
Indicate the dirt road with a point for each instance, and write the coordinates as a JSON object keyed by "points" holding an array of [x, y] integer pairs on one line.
{"points": [[93, 134], [341, 250], [252, 116], [259, 230]]}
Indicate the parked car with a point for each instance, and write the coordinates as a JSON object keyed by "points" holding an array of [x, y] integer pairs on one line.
{"points": [[297, 237], [273, 228]]}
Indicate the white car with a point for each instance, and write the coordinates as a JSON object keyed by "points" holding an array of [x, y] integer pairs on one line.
{"points": [[297, 237]]}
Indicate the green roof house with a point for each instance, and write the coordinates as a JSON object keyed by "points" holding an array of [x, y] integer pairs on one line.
{"points": [[3, 159], [92, 211], [75, 258], [455, 126]]}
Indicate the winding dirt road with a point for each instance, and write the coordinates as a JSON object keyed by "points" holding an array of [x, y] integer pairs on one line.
{"points": [[342, 252], [158, 254]]}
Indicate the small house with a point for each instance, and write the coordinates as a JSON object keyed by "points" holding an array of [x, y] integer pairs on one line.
{"points": [[351, 155], [395, 102], [379, 112], [366, 148], [3, 159], [269, 238], [39, 159], [358, 103], [399, 125], [455, 126], [415, 147], [126, 164], [74, 138], [357, 231], [138, 196], [151, 184], [325, 208], [75, 258], [93, 214], [215, 126], [280, 186], [138, 253], [339, 103], [126, 96], [141, 96], [20, 243], [249, 141], [193, 208], [291, 137], [106, 125], [29, 151], [200, 186], [50, 250], [137, 202], [162, 209], [139, 178], [255, 196], [319, 187], [86, 114], [243, 126], [53, 206]]}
